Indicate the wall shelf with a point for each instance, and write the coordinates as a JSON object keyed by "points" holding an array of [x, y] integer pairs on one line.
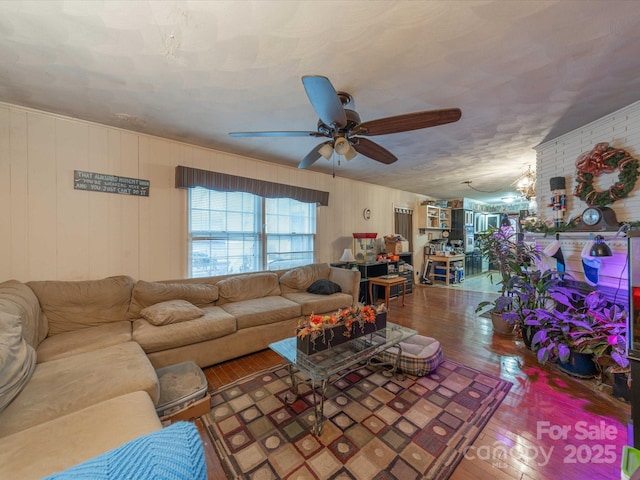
{"points": [[431, 217]]}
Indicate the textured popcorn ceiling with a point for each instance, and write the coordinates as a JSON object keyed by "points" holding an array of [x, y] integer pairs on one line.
{"points": [[521, 71]]}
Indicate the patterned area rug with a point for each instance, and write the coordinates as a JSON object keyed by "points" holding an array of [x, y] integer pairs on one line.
{"points": [[376, 427]]}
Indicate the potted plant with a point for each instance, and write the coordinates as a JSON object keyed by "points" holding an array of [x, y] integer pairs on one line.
{"points": [[620, 382], [583, 331], [511, 257], [530, 289], [552, 343], [607, 342]]}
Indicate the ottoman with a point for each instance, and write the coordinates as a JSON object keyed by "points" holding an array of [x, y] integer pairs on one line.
{"points": [[420, 355]]}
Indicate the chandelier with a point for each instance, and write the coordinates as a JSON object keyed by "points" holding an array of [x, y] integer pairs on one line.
{"points": [[526, 184]]}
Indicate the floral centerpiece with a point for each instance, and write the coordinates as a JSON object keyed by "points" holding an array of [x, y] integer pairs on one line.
{"points": [[319, 332]]}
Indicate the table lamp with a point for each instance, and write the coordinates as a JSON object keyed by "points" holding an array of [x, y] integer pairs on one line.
{"points": [[347, 256]]}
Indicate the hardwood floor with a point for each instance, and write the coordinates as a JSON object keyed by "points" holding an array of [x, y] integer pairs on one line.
{"points": [[549, 426]]}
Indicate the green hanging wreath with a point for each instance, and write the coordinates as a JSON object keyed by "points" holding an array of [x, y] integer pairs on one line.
{"points": [[605, 159]]}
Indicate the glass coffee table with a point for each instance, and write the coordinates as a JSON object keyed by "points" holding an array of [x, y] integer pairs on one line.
{"points": [[334, 363]]}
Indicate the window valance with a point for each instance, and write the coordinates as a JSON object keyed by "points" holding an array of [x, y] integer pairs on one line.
{"points": [[187, 177]]}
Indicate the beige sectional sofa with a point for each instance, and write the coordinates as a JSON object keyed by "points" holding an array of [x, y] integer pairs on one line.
{"points": [[78, 359]]}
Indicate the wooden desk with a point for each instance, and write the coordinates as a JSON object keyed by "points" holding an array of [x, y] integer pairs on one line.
{"points": [[387, 283], [447, 261]]}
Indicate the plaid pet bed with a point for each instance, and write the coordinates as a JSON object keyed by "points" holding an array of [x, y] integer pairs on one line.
{"points": [[420, 355]]}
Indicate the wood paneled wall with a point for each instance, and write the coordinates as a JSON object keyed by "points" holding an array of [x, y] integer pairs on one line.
{"points": [[51, 231]]}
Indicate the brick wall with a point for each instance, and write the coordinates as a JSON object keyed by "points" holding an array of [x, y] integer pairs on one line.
{"points": [[557, 157]]}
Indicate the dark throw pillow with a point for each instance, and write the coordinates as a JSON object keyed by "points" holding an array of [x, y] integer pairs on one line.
{"points": [[324, 287]]}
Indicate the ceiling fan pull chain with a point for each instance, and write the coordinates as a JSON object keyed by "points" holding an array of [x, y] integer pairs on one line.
{"points": [[333, 165]]}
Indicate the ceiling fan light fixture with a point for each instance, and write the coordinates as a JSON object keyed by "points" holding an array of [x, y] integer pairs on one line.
{"points": [[351, 154], [341, 146], [326, 151]]}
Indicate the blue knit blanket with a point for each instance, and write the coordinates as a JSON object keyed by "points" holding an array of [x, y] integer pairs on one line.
{"points": [[173, 453]]}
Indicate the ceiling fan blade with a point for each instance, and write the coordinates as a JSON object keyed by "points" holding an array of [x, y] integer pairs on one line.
{"points": [[312, 156], [276, 134], [325, 100], [408, 122], [372, 150]]}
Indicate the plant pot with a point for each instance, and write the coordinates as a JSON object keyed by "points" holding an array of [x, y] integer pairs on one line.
{"points": [[621, 386], [527, 335], [579, 365], [334, 336], [501, 326]]}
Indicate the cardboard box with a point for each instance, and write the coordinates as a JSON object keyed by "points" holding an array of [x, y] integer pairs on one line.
{"points": [[393, 248], [394, 244]]}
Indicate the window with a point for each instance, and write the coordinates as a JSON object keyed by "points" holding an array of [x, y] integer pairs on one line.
{"points": [[233, 232], [290, 233]]}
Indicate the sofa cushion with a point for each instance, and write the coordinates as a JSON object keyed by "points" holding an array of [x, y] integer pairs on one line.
{"points": [[17, 298], [300, 278], [262, 311], [75, 305], [172, 311], [324, 287], [66, 385], [84, 340], [146, 294], [311, 303], [249, 286], [213, 324], [17, 359], [70, 439]]}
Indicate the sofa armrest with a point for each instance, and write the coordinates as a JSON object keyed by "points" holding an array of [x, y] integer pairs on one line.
{"points": [[349, 280]]}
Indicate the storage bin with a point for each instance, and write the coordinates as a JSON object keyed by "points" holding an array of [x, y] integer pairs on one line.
{"points": [[440, 271], [456, 275], [180, 385]]}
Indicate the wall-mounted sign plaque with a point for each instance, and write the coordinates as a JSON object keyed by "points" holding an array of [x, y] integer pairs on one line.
{"points": [[100, 182]]}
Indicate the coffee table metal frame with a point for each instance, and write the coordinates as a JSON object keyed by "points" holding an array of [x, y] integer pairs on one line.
{"points": [[333, 364]]}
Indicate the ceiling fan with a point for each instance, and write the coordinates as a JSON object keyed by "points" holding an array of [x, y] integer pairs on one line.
{"points": [[344, 128]]}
